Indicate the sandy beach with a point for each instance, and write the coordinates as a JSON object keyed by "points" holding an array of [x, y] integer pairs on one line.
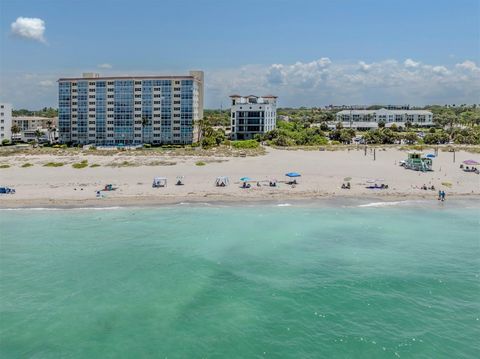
{"points": [[323, 173]]}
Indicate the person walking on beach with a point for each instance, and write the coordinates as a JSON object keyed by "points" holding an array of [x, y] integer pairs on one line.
{"points": [[443, 196]]}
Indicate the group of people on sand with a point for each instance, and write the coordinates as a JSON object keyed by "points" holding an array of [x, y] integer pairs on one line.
{"points": [[441, 195], [470, 169], [248, 185], [346, 186], [424, 187]]}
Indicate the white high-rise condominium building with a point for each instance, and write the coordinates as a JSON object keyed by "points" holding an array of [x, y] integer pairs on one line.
{"points": [[130, 110], [369, 119], [5, 121], [251, 115]]}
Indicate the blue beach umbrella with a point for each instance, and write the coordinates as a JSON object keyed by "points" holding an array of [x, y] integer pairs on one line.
{"points": [[430, 155], [293, 174], [245, 179]]}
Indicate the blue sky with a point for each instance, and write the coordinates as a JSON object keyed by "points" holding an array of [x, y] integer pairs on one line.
{"points": [[307, 52]]}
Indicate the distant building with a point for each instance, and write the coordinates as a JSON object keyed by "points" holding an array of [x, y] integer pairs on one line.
{"points": [[5, 121], [364, 107], [34, 122], [369, 119], [130, 110], [345, 107], [29, 125], [397, 107], [251, 115]]}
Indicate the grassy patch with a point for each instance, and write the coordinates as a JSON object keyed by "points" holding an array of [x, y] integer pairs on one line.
{"points": [[93, 165], [245, 144], [53, 164], [123, 164], [25, 165], [200, 163], [79, 165], [161, 163], [4, 166]]}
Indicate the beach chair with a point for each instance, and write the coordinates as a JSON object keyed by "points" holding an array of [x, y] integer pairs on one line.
{"points": [[159, 182], [221, 181], [179, 181]]}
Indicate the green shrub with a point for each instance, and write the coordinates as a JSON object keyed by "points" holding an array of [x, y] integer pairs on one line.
{"points": [[25, 165], [200, 163], [335, 142], [208, 142], [79, 165], [53, 164], [245, 144], [283, 141], [436, 138], [5, 142], [147, 145], [4, 166], [410, 138], [94, 165]]}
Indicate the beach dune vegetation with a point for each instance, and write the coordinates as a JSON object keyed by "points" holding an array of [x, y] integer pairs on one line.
{"points": [[245, 144], [80, 165], [53, 164]]}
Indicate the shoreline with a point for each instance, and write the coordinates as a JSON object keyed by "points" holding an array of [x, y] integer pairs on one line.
{"points": [[148, 202]]}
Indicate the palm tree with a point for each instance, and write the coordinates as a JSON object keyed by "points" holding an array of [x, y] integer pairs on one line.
{"points": [[145, 122], [446, 119], [49, 128], [38, 135], [15, 130], [202, 128]]}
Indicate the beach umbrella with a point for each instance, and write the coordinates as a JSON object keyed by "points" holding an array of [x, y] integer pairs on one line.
{"points": [[293, 174], [430, 155], [471, 162], [245, 179]]}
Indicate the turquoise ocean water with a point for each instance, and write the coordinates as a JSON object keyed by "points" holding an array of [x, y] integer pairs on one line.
{"points": [[263, 281]]}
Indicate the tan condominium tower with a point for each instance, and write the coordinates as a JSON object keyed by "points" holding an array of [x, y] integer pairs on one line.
{"points": [[130, 110]]}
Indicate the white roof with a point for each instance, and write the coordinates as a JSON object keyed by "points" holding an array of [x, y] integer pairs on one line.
{"points": [[384, 111], [34, 118]]}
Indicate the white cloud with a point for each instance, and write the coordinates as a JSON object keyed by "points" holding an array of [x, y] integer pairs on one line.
{"points": [[29, 28], [468, 65], [46, 83], [440, 70], [364, 66], [105, 66], [311, 83], [324, 82], [409, 63]]}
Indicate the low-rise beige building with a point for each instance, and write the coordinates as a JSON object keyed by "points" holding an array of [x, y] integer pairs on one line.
{"points": [[34, 122], [29, 125]]}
